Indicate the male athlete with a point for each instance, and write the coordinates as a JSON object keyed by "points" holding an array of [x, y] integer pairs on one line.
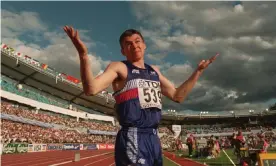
{"points": [[138, 90]]}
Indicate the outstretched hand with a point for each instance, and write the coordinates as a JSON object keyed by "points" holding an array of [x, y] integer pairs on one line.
{"points": [[75, 38], [205, 63]]}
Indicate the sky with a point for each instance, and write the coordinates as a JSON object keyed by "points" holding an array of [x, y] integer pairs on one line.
{"points": [[178, 36]]}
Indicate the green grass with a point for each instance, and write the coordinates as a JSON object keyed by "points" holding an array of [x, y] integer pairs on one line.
{"points": [[167, 162], [222, 160]]}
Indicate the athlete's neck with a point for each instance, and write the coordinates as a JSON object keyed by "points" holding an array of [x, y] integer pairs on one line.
{"points": [[139, 64]]}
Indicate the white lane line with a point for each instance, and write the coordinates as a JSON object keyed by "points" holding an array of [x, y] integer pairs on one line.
{"points": [[21, 160], [98, 160], [69, 161], [229, 157], [112, 164], [37, 160]]}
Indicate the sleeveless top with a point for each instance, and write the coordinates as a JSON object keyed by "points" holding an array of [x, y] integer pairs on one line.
{"points": [[138, 104]]}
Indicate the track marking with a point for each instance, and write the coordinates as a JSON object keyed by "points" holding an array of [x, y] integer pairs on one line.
{"points": [[99, 160], [171, 160], [10, 163], [52, 161], [112, 164], [26, 157], [69, 161], [36, 160], [229, 157]]}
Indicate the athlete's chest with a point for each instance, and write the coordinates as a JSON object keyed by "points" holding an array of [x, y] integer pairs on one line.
{"points": [[143, 85], [143, 77], [148, 87]]}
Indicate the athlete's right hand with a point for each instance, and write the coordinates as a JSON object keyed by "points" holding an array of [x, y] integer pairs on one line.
{"points": [[75, 38]]}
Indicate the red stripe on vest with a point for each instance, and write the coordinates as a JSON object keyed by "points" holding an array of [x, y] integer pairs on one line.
{"points": [[127, 95]]}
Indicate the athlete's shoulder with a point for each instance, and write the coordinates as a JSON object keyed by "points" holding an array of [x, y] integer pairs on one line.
{"points": [[116, 66], [156, 68]]}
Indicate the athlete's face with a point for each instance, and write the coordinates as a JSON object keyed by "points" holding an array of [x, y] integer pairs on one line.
{"points": [[133, 47]]}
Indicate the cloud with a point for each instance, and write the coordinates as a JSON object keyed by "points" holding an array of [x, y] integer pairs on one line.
{"points": [[178, 73], [243, 76], [156, 57], [14, 24], [58, 52]]}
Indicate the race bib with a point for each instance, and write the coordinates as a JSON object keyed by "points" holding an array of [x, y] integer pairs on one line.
{"points": [[149, 93]]}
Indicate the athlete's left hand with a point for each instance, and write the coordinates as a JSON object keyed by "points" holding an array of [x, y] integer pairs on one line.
{"points": [[205, 63]]}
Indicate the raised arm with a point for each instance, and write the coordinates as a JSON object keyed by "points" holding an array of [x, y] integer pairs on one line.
{"points": [[91, 85], [180, 93]]}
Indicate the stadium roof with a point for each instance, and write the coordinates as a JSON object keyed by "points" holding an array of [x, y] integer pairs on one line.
{"points": [[28, 74]]}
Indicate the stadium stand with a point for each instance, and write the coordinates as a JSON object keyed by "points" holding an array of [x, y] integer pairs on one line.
{"points": [[11, 86], [19, 132], [24, 118]]}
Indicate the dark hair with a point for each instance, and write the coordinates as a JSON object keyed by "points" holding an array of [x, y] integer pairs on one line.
{"points": [[127, 33]]}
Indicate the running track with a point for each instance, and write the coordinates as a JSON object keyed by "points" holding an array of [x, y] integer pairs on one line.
{"points": [[66, 158]]}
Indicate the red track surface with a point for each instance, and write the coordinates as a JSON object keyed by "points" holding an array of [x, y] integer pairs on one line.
{"points": [[66, 158]]}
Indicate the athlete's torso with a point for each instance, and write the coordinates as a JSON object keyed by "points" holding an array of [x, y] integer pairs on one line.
{"points": [[138, 103]]}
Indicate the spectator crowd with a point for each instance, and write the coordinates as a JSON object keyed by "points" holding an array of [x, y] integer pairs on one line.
{"points": [[19, 132], [50, 117]]}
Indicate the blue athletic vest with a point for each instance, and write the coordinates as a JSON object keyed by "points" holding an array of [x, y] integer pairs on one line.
{"points": [[138, 104]]}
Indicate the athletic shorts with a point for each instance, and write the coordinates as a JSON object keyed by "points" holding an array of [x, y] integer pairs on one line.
{"points": [[138, 147]]}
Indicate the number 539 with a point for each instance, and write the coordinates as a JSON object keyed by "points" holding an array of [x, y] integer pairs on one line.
{"points": [[152, 95]]}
